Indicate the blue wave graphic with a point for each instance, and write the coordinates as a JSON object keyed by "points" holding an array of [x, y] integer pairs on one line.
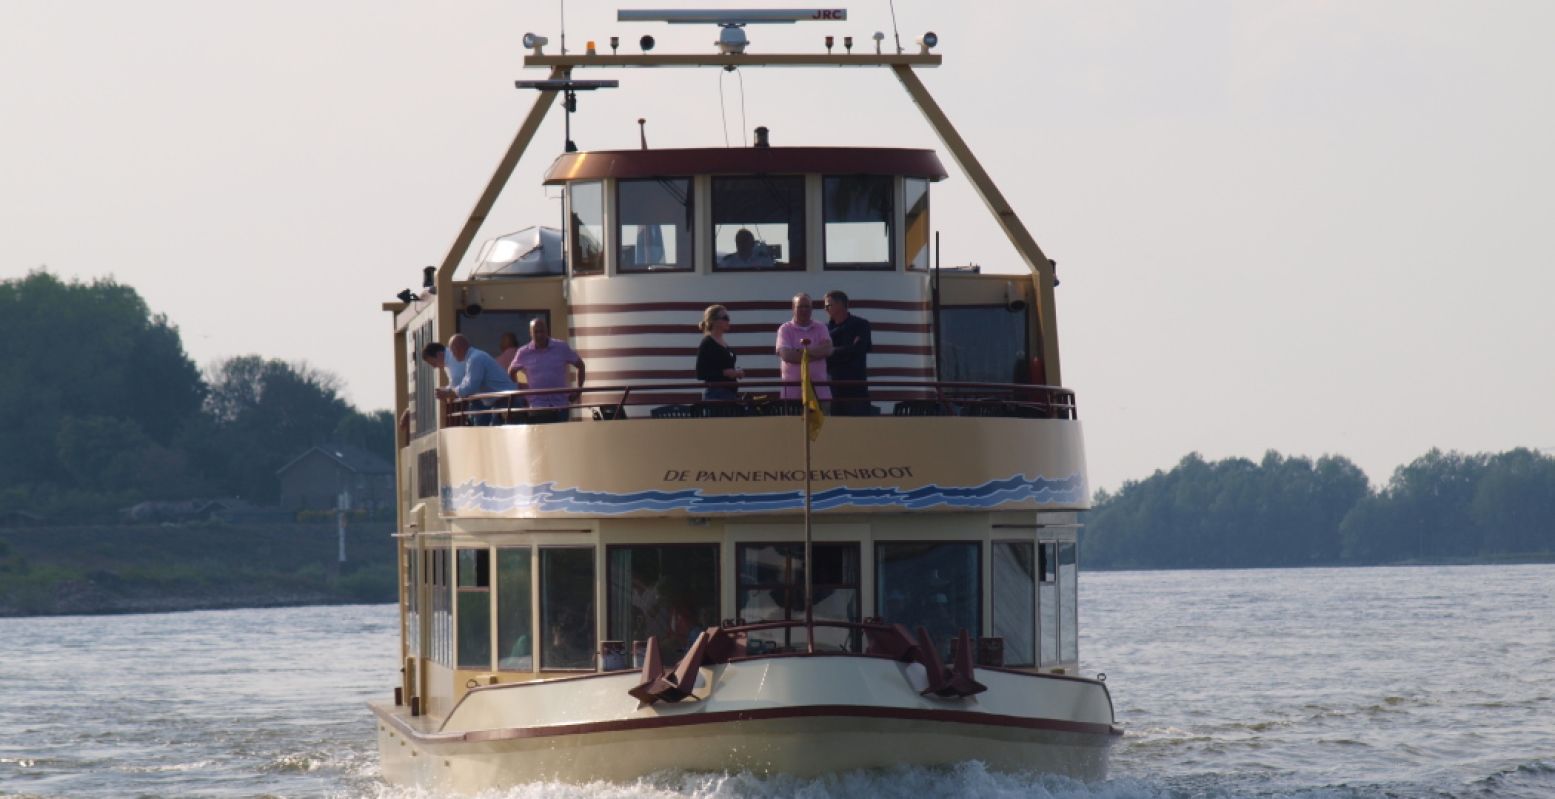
{"points": [[473, 496]]}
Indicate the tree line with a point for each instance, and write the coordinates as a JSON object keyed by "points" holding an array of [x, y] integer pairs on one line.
{"points": [[105, 409], [1294, 511]]}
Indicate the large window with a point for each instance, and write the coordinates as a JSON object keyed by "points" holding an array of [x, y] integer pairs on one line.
{"points": [[567, 608], [670, 592], [917, 223], [1015, 600], [858, 210], [515, 638], [1069, 606], [586, 228], [935, 585], [1047, 601], [770, 587], [474, 608], [655, 227], [984, 344], [758, 223]]}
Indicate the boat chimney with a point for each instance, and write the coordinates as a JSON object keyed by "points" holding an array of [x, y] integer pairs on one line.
{"points": [[761, 137], [642, 131]]}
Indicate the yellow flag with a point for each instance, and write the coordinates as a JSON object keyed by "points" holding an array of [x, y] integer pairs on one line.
{"points": [[813, 418]]}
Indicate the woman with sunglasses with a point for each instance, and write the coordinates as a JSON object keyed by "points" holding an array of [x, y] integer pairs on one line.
{"points": [[715, 358]]}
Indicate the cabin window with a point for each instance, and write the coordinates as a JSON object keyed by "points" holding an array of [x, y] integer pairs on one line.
{"points": [[567, 608], [917, 222], [412, 590], [423, 397], [857, 210], [442, 601], [770, 587], [1068, 604], [984, 344], [936, 585], [1015, 600], [474, 594], [758, 223], [1047, 601], [656, 222], [485, 329], [586, 228], [515, 636], [666, 591]]}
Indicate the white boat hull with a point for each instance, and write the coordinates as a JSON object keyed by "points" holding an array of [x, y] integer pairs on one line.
{"points": [[802, 716]]}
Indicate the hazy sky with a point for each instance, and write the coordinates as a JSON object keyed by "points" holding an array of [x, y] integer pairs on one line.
{"points": [[1315, 227]]}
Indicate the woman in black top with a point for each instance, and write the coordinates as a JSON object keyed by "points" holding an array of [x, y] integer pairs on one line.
{"points": [[715, 358]]}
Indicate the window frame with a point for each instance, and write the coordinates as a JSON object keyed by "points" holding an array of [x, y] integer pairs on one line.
{"points": [[461, 590], [541, 646], [529, 599], [982, 585], [572, 231], [610, 619], [993, 604], [740, 587], [620, 221], [890, 263]]}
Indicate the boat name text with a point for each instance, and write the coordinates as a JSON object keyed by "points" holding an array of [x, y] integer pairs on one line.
{"points": [[785, 475]]}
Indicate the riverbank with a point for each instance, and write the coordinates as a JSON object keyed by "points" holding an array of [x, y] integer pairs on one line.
{"points": [[51, 571]]}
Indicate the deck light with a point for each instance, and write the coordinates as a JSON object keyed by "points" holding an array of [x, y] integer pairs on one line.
{"points": [[535, 41], [927, 41], [828, 44], [878, 37], [615, 41], [646, 42], [847, 43], [589, 50], [428, 277]]}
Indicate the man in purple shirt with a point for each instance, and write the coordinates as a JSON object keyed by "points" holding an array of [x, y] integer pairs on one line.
{"points": [[544, 362], [791, 338]]}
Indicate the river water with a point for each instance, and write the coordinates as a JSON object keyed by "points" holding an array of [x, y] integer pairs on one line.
{"points": [[1399, 682]]}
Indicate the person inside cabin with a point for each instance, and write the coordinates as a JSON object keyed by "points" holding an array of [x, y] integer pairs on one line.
{"points": [[748, 253], [481, 375], [508, 348], [544, 361], [715, 358], [850, 338], [794, 337]]}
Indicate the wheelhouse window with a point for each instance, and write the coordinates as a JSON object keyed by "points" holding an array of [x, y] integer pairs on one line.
{"points": [[474, 593], [857, 210], [1015, 600], [586, 227], [666, 591], [567, 608], [917, 222], [936, 585], [515, 638], [758, 223], [655, 227], [770, 587]]}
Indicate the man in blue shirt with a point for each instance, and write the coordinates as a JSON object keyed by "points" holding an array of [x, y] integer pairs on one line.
{"points": [[481, 374], [851, 342]]}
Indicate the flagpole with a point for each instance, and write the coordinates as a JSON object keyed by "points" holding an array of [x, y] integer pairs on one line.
{"points": [[809, 573]]}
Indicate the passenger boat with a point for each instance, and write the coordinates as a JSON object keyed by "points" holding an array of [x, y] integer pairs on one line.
{"points": [[661, 582]]}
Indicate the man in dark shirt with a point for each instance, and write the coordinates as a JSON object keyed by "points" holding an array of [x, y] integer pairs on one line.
{"points": [[848, 361]]}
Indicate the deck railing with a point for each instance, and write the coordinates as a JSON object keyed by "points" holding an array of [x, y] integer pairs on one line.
{"points": [[763, 398]]}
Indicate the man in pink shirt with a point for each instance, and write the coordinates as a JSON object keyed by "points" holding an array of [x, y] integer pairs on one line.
{"points": [[544, 361], [790, 349]]}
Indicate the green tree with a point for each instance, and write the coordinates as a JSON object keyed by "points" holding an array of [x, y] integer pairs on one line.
{"points": [[92, 350]]}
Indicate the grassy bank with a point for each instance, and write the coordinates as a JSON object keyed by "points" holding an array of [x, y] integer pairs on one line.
{"points": [[151, 568]]}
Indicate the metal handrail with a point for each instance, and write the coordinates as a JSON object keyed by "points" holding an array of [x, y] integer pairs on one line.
{"points": [[1020, 399]]}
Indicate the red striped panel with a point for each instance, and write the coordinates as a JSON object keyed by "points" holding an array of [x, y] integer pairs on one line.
{"points": [[629, 330], [690, 352], [740, 305], [754, 374]]}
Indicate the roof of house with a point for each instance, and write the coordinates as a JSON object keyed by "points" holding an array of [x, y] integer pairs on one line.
{"points": [[352, 458]]}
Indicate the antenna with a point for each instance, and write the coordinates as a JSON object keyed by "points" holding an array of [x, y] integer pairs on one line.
{"points": [[569, 89], [564, 27], [894, 31]]}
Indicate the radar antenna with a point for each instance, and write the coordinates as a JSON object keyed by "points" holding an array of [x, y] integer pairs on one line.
{"points": [[569, 89], [732, 21]]}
